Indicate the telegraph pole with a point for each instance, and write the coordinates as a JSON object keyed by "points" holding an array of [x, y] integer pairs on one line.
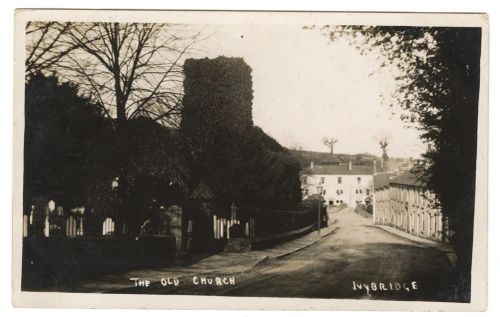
{"points": [[320, 203]]}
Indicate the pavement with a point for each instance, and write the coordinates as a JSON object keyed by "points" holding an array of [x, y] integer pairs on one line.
{"points": [[445, 247], [224, 263], [359, 260], [357, 254]]}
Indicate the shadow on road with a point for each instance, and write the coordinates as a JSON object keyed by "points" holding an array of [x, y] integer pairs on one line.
{"points": [[333, 272], [358, 261]]}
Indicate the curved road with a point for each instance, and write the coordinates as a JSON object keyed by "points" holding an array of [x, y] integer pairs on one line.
{"points": [[356, 253], [357, 261]]}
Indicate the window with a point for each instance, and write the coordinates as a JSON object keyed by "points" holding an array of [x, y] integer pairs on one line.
{"points": [[322, 180], [306, 191], [339, 180], [319, 189], [330, 202], [359, 180], [324, 191], [367, 192]]}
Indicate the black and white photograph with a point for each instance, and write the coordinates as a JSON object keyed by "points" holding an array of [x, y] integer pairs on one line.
{"points": [[239, 155]]}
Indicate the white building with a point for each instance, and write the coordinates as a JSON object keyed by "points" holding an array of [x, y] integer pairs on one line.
{"points": [[339, 183], [402, 202]]}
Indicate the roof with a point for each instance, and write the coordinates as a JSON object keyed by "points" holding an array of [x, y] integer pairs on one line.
{"points": [[340, 170], [381, 180], [391, 165], [407, 178], [332, 159], [202, 192]]}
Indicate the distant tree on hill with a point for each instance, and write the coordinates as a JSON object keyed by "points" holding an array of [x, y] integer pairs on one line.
{"points": [[384, 143], [329, 142]]}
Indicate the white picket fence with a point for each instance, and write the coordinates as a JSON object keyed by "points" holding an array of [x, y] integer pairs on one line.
{"points": [[221, 227], [70, 224]]}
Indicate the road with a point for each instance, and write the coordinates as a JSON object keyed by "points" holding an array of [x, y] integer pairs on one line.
{"points": [[357, 261]]}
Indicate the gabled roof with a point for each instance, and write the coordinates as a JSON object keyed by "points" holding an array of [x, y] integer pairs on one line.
{"points": [[407, 178], [381, 180], [340, 170], [202, 192], [331, 160]]}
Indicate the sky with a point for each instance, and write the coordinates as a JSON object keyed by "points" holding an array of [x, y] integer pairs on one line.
{"points": [[307, 87]]}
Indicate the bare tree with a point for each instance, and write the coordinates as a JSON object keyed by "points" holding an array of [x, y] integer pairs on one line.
{"points": [[383, 142], [47, 44], [329, 142], [383, 139], [130, 70]]}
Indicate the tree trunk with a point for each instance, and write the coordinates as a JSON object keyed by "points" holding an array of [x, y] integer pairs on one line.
{"points": [[124, 212]]}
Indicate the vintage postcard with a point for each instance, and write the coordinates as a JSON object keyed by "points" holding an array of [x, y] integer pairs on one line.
{"points": [[250, 160]]}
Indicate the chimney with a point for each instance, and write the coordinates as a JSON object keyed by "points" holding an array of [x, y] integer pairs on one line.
{"points": [[312, 164], [382, 164], [350, 166], [374, 167]]}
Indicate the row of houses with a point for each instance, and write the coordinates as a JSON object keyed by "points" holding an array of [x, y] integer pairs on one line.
{"points": [[397, 197], [402, 202]]}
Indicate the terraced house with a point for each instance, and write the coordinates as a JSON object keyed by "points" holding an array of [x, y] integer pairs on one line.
{"points": [[403, 202]]}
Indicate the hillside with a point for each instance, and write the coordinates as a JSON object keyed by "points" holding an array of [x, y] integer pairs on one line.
{"points": [[306, 157]]}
